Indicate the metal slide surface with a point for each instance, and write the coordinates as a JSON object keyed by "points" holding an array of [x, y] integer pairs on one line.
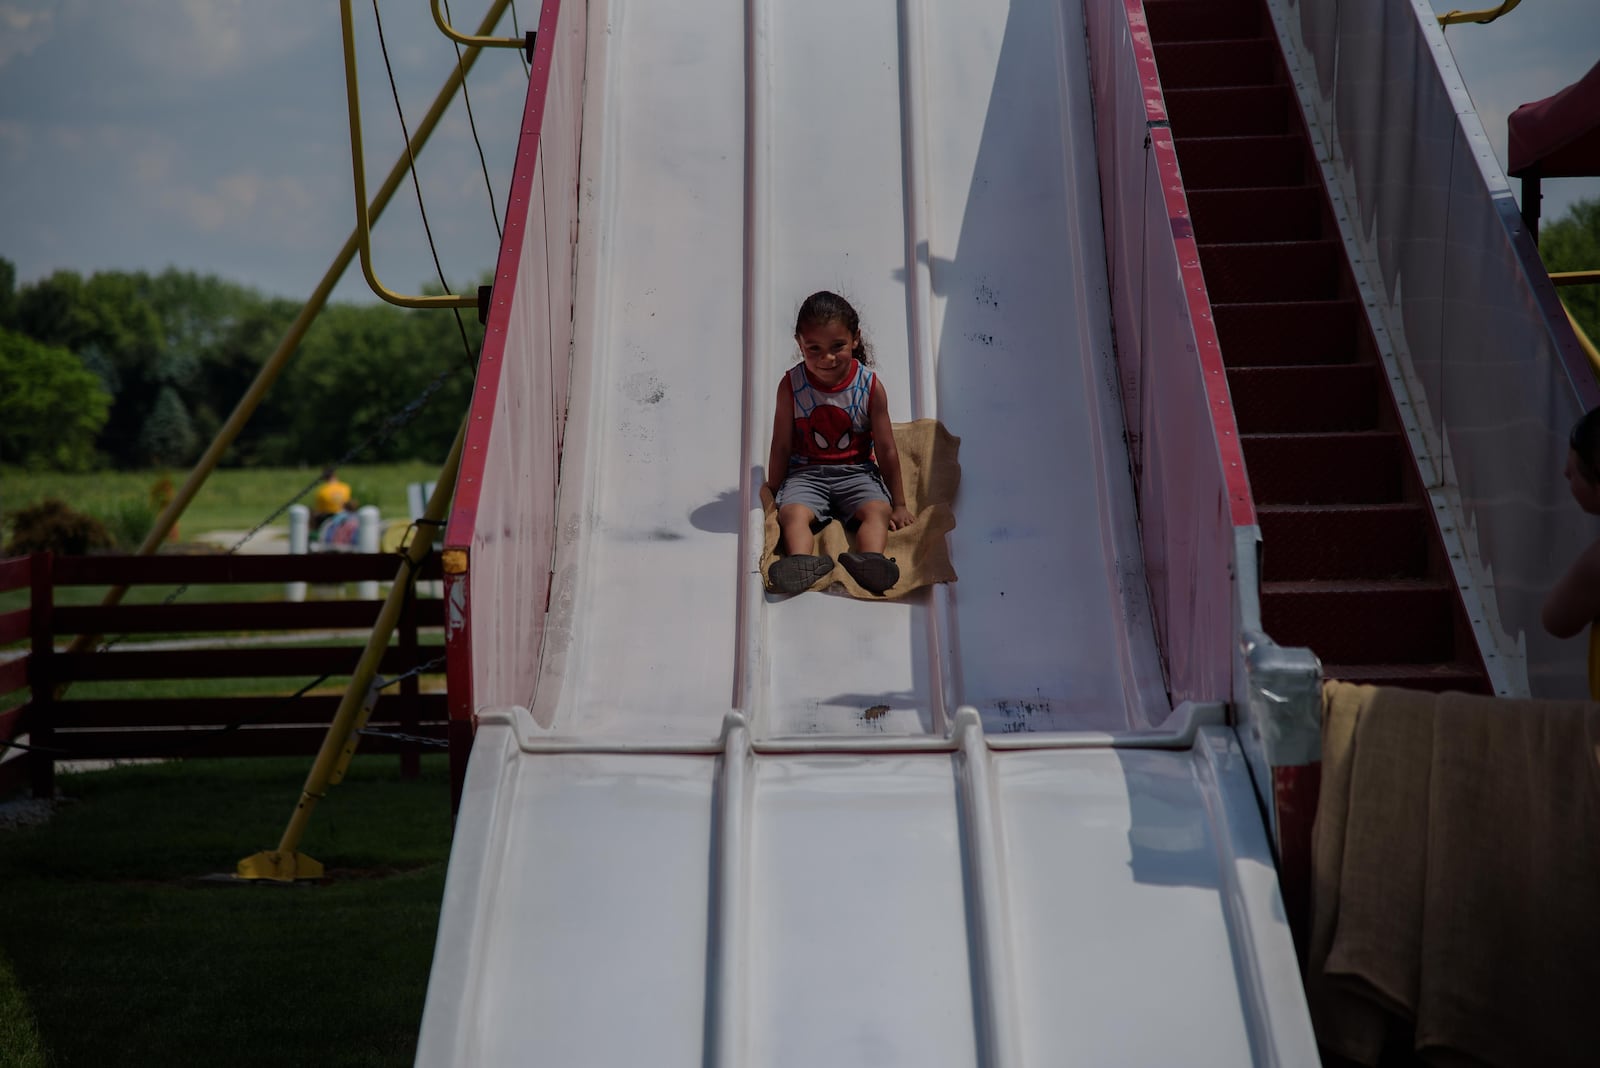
{"points": [[983, 294], [697, 847]]}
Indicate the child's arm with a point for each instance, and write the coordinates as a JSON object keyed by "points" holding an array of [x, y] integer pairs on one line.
{"points": [[888, 455], [782, 437], [1574, 603]]}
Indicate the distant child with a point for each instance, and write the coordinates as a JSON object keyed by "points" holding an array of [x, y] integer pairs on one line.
{"points": [[1574, 603], [832, 423], [331, 498]]}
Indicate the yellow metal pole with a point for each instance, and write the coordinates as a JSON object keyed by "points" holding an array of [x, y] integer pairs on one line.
{"points": [[472, 39], [1575, 278], [1584, 342], [275, 363], [358, 166], [284, 864], [1452, 18]]}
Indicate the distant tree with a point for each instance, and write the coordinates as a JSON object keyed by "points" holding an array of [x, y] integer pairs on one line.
{"points": [[1572, 243], [106, 321], [8, 293], [359, 369], [51, 406], [228, 365], [168, 437]]}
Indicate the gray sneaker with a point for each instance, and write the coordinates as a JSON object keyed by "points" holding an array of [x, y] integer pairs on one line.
{"points": [[874, 571], [796, 574]]}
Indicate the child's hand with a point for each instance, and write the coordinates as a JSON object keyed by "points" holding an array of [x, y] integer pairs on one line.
{"points": [[900, 518]]}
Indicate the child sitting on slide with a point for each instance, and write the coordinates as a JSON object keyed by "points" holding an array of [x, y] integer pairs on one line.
{"points": [[833, 454]]}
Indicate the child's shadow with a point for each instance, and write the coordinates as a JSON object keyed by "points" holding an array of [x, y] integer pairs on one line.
{"points": [[723, 515]]}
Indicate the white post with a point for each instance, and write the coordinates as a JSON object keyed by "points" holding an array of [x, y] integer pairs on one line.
{"points": [[370, 535], [299, 544]]}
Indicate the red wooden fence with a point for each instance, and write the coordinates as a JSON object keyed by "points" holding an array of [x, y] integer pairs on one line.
{"points": [[62, 724]]}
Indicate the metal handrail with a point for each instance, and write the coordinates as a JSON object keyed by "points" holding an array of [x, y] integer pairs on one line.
{"points": [[1575, 278], [524, 42], [359, 168], [1482, 18], [1584, 341]]}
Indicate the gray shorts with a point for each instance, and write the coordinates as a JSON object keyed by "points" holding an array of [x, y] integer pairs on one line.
{"points": [[833, 491]]}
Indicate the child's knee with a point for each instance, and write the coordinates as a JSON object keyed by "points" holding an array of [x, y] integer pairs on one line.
{"points": [[795, 513], [872, 510]]}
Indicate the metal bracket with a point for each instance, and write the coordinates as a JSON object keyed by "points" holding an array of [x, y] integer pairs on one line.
{"points": [[1453, 18], [359, 167], [525, 42]]}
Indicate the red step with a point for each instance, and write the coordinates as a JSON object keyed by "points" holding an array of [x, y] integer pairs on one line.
{"points": [[1281, 270], [1353, 467], [1232, 162], [1216, 64], [1343, 541], [1467, 678], [1394, 621], [1305, 398], [1279, 213], [1285, 332], [1200, 20], [1232, 112]]}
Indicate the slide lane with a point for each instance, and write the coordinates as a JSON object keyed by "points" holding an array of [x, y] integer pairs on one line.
{"points": [[934, 162]]}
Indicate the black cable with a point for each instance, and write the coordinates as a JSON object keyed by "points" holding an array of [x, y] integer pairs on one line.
{"points": [[488, 185], [417, 185]]}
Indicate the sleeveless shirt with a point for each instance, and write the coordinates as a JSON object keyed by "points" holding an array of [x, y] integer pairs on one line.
{"points": [[831, 426]]}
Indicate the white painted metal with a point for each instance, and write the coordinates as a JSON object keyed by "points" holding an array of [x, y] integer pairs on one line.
{"points": [[1040, 906], [695, 848]]}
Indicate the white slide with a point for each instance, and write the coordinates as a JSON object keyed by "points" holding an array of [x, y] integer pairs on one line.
{"points": [[960, 214], [698, 846]]}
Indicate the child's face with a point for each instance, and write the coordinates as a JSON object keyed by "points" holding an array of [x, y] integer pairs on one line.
{"points": [[1586, 493], [827, 349]]}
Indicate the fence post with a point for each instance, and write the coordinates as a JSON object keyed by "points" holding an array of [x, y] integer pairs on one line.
{"points": [[41, 681], [410, 688]]}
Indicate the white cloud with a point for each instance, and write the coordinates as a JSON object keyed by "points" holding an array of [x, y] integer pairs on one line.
{"points": [[15, 140], [24, 27], [247, 204]]}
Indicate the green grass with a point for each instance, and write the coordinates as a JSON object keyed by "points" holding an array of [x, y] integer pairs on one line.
{"points": [[113, 951], [231, 499]]}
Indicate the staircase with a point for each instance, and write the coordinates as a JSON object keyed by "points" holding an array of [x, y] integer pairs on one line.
{"points": [[1353, 565]]}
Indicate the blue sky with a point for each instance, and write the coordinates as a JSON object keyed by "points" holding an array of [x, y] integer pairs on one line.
{"points": [[1529, 53], [211, 134]]}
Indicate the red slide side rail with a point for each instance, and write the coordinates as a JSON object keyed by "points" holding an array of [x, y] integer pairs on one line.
{"points": [[501, 530]]}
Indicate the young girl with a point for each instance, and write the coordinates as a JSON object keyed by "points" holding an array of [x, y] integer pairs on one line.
{"points": [[832, 421]]}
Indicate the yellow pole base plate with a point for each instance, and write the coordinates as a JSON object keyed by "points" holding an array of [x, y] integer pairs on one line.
{"points": [[279, 867]]}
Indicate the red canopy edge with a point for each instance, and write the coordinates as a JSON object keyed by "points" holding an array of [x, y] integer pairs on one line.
{"points": [[1559, 136]]}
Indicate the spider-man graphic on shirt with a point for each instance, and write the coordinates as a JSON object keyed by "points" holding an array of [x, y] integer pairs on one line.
{"points": [[831, 426]]}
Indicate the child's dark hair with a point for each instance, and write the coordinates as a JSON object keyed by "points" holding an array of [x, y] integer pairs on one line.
{"points": [[822, 308], [1585, 442]]}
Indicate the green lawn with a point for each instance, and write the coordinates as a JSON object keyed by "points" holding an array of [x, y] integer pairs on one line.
{"points": [[231, 499], [115, 952]]}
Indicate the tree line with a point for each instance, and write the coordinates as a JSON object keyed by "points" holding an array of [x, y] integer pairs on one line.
{"points": [[131, 370]]}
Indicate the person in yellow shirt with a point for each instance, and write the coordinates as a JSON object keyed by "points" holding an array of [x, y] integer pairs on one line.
{"points": [[1574, 602], [331, 498]]}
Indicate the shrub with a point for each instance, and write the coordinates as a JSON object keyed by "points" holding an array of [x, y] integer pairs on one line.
{"points": [[53, 526], [128, 521]]}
